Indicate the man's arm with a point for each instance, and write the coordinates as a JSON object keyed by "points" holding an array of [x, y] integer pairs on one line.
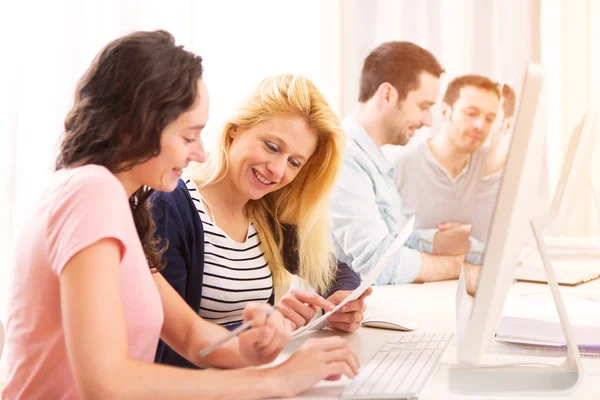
{"points": [[438, 268], [362, 234], [453, 238], [498, 151]]}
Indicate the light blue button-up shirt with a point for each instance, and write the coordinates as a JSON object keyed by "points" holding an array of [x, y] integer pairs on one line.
{"points": [[366, 213]]}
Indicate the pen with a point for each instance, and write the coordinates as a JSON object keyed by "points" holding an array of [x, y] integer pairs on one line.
{"points": [[243, 327]]}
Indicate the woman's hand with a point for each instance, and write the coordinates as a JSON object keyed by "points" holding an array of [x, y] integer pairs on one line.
{"points": [[317, 359], [349, 317], [300, 306], [263, 342]]}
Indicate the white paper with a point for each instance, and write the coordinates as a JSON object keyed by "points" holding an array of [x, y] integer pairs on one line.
{"points": [[367, 280]]}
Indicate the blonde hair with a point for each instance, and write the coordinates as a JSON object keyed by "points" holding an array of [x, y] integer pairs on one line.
{"points": [[304, 201]]}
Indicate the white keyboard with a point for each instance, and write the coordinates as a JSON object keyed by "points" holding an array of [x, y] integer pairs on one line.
{"points": [[401, 369]]}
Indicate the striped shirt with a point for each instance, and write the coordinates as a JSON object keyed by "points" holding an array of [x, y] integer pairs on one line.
{"points": [[235, 274]]}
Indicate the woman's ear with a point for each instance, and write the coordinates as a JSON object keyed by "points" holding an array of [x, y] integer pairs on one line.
{"points": [[233, 131]]}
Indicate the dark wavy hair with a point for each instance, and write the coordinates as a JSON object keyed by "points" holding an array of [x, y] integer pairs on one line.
{"points": [[135, 87]]}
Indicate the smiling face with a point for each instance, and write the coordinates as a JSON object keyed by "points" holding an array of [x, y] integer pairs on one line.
{"points": [[412, 113], [180, 143], [269, 155], [469, 120]]}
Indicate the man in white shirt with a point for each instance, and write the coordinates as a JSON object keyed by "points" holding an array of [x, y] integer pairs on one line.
{"points": [[450, 181], [399, 84]]}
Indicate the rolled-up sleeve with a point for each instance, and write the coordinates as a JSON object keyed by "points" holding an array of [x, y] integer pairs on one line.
{"points": [[422, 240], [476, 251]]}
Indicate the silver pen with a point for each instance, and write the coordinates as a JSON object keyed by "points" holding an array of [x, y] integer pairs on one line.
{"points": [[243, 327]]}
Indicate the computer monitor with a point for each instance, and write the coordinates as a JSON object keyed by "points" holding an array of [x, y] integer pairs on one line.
{"points": [[514, 215], [573, 175], [575, 169]]}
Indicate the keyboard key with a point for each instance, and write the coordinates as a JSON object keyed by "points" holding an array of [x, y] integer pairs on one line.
{"points": [[394, 339], [416, 338], [405, 338], [391, 371], [431, 346], [365, 373], [425, 374], [401, 374], [415, 371], [427, 337], [379, 371], [401, 369]]}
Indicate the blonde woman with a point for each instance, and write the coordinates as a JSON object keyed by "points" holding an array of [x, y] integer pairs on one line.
{"points": [[258, 209]]}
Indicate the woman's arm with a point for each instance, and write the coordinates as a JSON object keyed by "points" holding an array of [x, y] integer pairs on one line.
{"points": [[345, 279], [300, 306], [96, 342], [96, 339], [186, 333]]}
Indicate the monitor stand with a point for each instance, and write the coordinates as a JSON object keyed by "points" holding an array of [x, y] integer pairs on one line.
{"points": [[522, 378]]}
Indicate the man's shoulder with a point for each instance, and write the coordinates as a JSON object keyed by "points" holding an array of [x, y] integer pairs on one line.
{"points": [[355, 154], [407, 155], [480, 157]]}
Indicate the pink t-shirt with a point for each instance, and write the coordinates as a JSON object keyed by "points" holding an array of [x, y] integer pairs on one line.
{"points": [[82, 206]]}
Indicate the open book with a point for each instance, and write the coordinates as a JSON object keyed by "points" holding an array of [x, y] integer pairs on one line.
{"points": [[532, 320]]}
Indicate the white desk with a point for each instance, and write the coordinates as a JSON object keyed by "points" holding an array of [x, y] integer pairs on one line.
{"points": [[433, 305]]}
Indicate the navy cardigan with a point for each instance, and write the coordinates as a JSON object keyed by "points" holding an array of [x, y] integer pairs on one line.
{"points": [[178, 223]]}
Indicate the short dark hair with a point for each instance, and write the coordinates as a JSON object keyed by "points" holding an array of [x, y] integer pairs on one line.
{"points": [[398, 63], [134, 88], [510, 101], [480, 82]]}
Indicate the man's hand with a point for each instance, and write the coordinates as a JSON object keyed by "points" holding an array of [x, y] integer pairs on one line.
{"points": [[452, 239], [349, 317], [472, 273]]}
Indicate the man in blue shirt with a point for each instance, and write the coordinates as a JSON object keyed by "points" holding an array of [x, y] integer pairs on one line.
{"points": [[399, 84]]}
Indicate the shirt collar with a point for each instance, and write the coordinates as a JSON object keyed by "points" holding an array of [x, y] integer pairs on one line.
{"points": [[435, 161], [359, 135]]}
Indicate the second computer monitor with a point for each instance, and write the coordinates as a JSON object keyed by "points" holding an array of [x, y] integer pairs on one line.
{"points": [[510, 227]]}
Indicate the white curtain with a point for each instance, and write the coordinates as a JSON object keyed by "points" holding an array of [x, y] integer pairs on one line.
{"points": [[47, 45], [495, 38], [571, 55]]}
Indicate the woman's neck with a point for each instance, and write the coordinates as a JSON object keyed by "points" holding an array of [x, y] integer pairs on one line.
{"points": [[224, 199]]}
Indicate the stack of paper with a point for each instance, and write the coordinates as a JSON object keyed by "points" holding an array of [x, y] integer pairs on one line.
{"points": [[533, 320]]}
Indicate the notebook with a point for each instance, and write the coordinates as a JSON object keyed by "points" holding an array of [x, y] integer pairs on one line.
{"points": [[566, 277], [532, 320]]}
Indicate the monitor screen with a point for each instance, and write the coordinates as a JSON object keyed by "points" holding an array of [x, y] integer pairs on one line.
{"points": [[512, 192]]}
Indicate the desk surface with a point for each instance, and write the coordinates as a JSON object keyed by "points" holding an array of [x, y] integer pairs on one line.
{"points": [[433, 305]]}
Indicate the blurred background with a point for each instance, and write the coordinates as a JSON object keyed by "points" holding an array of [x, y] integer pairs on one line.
{"points": [[47, 45]]}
